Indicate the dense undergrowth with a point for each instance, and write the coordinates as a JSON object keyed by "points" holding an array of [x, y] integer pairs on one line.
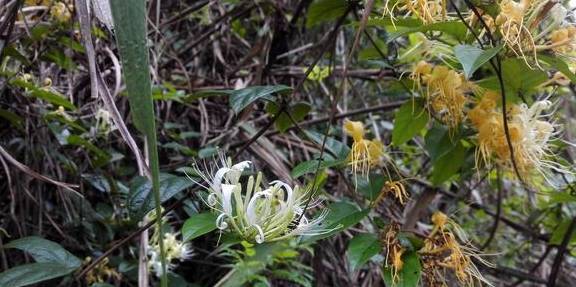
{"points": [[287, 143]]}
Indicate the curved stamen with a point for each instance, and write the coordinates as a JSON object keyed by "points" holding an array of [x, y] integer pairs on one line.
{"points": [[220, 223], [260, 237]]}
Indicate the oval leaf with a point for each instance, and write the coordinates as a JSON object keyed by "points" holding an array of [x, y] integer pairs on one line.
{"points": [[409, 274], [473, 58], [45, 251], [361, 248], [240, 99], [410, 119], [341, 215], [29, 274], [198, 225]]}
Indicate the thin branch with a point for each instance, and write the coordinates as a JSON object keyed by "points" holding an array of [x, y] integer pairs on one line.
{"points": [[535, 267], [498, 213], [560, 254]]}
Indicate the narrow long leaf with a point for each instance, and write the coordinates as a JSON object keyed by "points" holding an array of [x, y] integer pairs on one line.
{"points": [[130, 24]]}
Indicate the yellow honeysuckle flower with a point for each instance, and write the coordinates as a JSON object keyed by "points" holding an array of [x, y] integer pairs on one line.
{"points": [[364, 153], [354, 129], [445, 91], [530, 135]]}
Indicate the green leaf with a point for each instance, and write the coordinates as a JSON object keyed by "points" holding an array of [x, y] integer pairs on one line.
{"points": [[283, 122], [141, 199], [438, 142], [410, 273], [198, 225], [341, 215], [454, 28], [446, 152], [561, 197], [410, 119], [520, 77], [130, 24], [207, 152], [558, 64], [100, 157], [29, 274], [560, 232], [11, 51], [310, 166], [44, 94], [131, 37], [361, 248], [59, 58], [371, 186], [472, 57], [334, 146], [240, 99], [321, 11], [14, 119], [371, 53], [246, 269], [45, 251], [447, 165]]}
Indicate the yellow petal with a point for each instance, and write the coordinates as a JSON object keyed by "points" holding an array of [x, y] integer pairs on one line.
{"points": [[354, 129]]}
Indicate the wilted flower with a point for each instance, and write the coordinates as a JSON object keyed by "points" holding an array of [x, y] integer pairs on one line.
{"points": [[428, 11], [364, 153], [394, 250], [530, 136], [258, 214], [394, 188], [442, 249], [486, 19], [101, 273]]}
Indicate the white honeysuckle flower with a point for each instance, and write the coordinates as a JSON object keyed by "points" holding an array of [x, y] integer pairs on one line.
{"points": [[256, 213], [175, 250]]}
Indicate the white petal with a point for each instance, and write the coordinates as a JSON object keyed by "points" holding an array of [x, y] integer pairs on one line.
{"points": [[289, 192], [241, 166], [251, 208], [227, 190]]}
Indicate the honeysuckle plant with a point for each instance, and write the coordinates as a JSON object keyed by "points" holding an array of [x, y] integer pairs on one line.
{"points": [[430, 106]]}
